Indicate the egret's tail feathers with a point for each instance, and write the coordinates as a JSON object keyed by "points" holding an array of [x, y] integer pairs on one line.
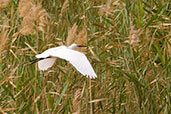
{"points": [[46, 63], [92, 76], [95, 76]]}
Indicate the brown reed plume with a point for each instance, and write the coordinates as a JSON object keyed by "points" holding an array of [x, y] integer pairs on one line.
{"points": [[133, 38], [27, 25], [80, 38], [77, 102], [108, 8], [40, 15], [33, 15], [64, 7], [4, 3], [24, 7], [72, 35]]}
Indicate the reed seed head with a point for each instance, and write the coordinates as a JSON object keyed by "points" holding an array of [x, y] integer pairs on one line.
{"points": [[77, 102], [24, 7], [4, 3], [72, 35]]}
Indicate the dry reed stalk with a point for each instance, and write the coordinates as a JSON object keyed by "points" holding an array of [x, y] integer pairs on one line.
{"points": [[97, 0], [3, 38], [108, 5], [77, 102], [90, 93], [72, 34], [2, 111], [64, 7], [169, 47], [4, 3]]}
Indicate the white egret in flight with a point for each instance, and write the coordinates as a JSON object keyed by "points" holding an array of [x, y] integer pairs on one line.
{"points": [[77, 59]]}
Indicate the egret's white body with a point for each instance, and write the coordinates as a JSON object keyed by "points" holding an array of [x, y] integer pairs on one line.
{"points": [[77, 59]]}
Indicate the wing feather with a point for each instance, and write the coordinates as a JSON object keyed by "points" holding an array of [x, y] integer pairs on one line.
{"points": [[77, 59], [48, 52]]}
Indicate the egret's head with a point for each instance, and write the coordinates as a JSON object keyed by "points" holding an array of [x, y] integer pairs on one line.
{"points": [[73, 46]]}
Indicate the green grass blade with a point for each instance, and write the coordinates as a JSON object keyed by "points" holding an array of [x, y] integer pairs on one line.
{"points": [[61, 95]]}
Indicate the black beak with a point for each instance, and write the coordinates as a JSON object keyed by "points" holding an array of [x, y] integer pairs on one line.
{"points": [[81, 46]]}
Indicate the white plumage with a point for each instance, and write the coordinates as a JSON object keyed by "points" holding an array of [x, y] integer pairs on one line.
{"points": [[77, 59]]}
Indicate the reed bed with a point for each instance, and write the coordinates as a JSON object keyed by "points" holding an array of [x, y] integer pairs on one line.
{"points": [[129, 46]]}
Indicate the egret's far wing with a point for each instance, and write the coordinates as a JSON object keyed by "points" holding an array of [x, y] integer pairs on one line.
{"points": [[46, 63], [77, 59]]}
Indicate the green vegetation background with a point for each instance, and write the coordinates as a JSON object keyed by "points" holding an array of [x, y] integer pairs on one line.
{"points": [[130, 52]]}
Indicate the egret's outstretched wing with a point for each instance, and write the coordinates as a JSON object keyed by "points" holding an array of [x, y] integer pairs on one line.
{"points": [[48, 52], [77, 59], [46, 63]]}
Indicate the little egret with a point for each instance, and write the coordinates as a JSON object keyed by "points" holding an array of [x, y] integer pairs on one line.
{"points": [[77, 59]]}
